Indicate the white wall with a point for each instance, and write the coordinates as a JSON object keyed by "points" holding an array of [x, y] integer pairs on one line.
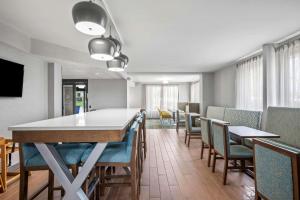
{"points": [[224, 80], [107, 93], [54, 90], [34, 103]]}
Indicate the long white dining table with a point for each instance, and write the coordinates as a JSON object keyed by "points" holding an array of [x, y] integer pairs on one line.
{"points": [[100, 127]]}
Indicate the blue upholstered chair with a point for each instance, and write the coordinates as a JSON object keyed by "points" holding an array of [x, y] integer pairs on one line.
{"points": [[277, 160], [31, 160], [190, 131], [276, 170], [120, 154], [207, 138], [223, 149]]}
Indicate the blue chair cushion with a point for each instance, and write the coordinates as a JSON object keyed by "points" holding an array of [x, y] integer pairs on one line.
{"points": [[195, 130], [70, 153], [231, 142], [240, 151]]}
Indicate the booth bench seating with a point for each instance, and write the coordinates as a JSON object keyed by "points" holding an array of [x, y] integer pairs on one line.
{"points": [[277, 161]]}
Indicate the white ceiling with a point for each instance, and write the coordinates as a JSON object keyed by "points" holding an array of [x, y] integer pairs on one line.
{"points": [[168, 35], [160, 77]]}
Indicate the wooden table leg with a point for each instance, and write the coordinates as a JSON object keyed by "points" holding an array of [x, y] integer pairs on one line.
{"points": [[4, 167]]}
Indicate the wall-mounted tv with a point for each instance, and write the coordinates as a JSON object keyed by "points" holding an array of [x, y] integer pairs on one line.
{"points": [[11, 79]]}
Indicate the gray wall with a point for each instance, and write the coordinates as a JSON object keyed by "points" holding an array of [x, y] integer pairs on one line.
{"points": [[224, 90], [33, 105], [109, 93], [206, 91]]}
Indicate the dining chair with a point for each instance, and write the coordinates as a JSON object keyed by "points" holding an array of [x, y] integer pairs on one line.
{"points": [[276, 170], [120, 154], [190, 131], [223, 149], [206, 138], [7, 148], [143, 135], [179, 120], [31, 160]]}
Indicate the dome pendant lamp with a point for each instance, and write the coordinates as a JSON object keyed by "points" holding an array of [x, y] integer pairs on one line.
{"points": [[125, 59], [116, 65], [89, 18], [102, 49], [117, 43]]}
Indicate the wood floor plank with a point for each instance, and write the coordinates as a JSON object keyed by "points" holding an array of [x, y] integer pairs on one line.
{"points": [[171, 171]]}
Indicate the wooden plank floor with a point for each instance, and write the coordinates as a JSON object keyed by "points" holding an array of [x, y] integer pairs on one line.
{"points": [[171, 171]]}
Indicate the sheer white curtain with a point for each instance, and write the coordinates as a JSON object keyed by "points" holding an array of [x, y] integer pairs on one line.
{"points": [[153, 100], [170, 97], [195, 92], [249, 84], [284, 76]]}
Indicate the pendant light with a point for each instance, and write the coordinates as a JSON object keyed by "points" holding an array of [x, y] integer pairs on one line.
{"points": [[125, 59], [102, 49], [116, 65], [89, 18], [117, 43]]}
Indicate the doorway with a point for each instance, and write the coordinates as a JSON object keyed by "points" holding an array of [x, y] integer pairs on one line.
{"points": [[74, 96]]}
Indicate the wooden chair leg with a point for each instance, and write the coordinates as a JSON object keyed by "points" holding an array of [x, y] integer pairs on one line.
{"points": [[102, 180], [225, 171], [257, 197], [185, 136], [144, 141], [133, 184], [242, 165], [209, 156], [1, 185], [202, 150], [50, 185], [214, 161], [189, 140], [98, 185], [23, 188]]}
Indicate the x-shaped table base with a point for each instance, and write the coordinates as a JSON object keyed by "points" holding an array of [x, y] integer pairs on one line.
{"points": [[71, 185]]}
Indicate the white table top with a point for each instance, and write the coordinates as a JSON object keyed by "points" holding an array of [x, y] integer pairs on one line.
{"points": [[105, 119], [246, 132]]}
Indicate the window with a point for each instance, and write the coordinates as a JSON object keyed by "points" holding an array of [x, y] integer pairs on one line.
{"points": [[195, 92], [170, 97], [284, 76], [153, 99], [249, 84], [163, 97]]}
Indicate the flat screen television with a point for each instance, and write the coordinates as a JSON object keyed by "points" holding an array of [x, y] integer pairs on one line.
{"points": [[11, 79]]}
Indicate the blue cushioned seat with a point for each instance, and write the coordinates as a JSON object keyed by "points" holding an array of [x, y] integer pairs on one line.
{"points": [[195, 130], [70, 153], [237, 151], [116, 151]]}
